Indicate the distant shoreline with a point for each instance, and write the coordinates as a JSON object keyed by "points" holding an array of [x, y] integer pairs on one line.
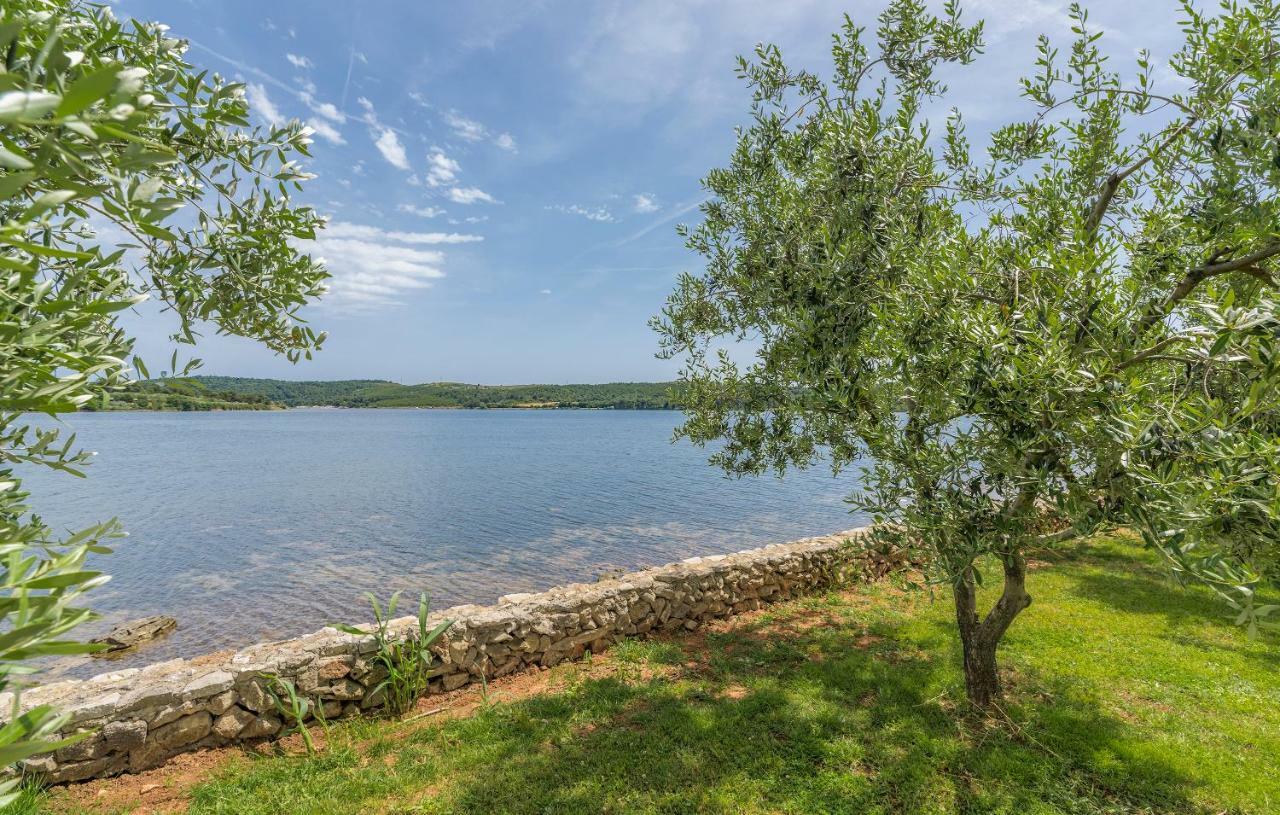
{"points": [[286, 408], [204, 393]]}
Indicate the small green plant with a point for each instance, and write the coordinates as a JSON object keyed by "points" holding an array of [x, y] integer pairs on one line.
{"points": [[406, 658], [294, 708]]}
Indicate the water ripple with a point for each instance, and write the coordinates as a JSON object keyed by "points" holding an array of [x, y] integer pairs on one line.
{"points": [[253, 525]]}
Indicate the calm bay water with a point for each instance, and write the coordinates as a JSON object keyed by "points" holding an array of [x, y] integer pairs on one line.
{"points": [[252, 526]]}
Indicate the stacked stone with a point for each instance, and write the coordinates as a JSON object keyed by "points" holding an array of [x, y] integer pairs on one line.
{"points": [[138, 718]]}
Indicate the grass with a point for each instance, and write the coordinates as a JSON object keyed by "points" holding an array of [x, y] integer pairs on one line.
{"points": [[1127, 696]]}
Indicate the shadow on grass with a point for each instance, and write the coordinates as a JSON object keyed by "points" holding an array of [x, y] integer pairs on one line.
{"points": [[825, 718], [1144, 591]]}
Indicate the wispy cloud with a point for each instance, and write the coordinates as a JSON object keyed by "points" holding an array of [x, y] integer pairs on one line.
{"points": [[325, 130], [388, 144], [599, 214], [421, 212], [645, 203], [385, 138], [665, 219], [262, 104], [343, 229], [441, 170], [471, 195], [374, 268], [299, 62], [470, 130], [464, 128], [326, 109]]}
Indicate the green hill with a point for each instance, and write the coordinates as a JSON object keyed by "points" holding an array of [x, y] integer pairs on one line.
{"points": [[381, 393], [181, 394]]}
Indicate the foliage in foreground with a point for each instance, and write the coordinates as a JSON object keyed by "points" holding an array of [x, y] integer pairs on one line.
{"points": [[840, 704], [127, 176], [1082, 315]]}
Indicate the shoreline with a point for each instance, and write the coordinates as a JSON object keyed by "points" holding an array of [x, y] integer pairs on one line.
{"points": [[287, 408], [144, 716]]}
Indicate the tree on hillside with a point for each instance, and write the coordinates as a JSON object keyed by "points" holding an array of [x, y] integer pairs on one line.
{"points": [[126, 175], [1075, 327]]}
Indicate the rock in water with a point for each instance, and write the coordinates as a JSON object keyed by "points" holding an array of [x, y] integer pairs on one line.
{"points": [[134, 632]]}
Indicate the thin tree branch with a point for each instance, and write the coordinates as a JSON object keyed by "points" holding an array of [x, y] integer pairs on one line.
{"points": [[1150, 353], [1196, 276], [1113, 182]]}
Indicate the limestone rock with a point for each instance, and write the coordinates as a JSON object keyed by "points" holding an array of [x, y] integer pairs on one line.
{"points": [[183, 731], [262, 726], [124, 735], [135, 632], [230, 724], [211, 684]]}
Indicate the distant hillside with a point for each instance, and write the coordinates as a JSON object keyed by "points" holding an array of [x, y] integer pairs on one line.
{"points": [[380, 393], [294, 394], [180, 394]]}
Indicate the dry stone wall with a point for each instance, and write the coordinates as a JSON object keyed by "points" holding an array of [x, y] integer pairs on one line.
{"points": [[138, 718]]}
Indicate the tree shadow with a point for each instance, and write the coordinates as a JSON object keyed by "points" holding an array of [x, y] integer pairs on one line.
{"points": [[1146, 592], [834, 717]]}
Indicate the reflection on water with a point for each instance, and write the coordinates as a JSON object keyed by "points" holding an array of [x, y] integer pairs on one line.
{"points": [[251, 526]]}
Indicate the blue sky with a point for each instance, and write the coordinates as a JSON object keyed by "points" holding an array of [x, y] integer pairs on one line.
{"points": [[504, 178]]}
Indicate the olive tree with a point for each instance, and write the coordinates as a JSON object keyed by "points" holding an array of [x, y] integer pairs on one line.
{"points": [[126, 174], [1073, 327]]}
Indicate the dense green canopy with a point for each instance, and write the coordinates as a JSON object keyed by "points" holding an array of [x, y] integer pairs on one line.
{"points": [[1079, 317]]}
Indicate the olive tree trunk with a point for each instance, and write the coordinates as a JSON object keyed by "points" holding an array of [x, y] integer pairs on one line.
{"points": [[980, 638]]}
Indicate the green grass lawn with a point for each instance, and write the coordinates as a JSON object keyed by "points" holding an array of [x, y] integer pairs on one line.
{"points": [[1128, 695]]}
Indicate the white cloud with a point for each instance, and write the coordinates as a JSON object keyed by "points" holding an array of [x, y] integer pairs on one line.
{"points": [[544, 291], [388, 144], [441, 170], [342, 229], [326, 131], [470, 195], [473, 131], [374, 268], [464, 128], [326, 109], [421, 212], [299, 62], [598, 214], [645, 203], [262, 104]]}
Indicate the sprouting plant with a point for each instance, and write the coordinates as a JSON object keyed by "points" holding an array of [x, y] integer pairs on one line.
{"points": [[484, 686], [293, 707], [406, 658], [317, 710]]}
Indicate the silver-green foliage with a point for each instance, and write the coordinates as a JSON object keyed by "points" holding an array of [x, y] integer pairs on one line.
{"points": [[124, 174], [294, 708], [404, 658], [1079, 316]]}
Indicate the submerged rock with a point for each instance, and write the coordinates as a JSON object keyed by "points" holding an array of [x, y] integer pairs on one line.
{"points": [[134, 632]]}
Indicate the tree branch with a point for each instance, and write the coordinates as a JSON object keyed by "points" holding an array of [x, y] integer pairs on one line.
{"points": [[1196, 276], [1150, 353], [1113, 182]]}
